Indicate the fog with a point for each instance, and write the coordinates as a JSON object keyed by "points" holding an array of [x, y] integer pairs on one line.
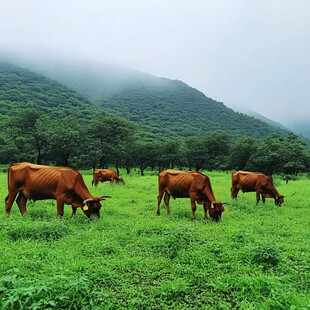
{"points": [[251, 55]]}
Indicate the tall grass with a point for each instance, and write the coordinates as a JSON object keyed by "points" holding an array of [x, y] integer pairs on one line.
{"points": [[257, 257]]}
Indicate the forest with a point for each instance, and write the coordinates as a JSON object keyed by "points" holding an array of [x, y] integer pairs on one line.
{"points": [[153, 127]]}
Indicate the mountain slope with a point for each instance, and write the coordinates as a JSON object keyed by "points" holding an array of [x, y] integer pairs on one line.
{"points": [[158, 105], [21, 88], [183, 111]]}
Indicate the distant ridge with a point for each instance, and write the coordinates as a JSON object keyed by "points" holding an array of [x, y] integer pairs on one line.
{"points": [[159, 106], [265, 119]]}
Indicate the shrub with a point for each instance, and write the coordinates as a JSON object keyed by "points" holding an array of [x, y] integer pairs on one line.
{"points": [[266, 255]]}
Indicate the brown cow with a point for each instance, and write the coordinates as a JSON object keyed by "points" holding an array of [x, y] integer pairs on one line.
{"points": [[37, 182], [189, 184], [104, 175], [255, 182]]}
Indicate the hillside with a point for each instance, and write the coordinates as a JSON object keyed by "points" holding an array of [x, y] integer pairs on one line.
{"points": [[160, 106], [184, 111], [21, 88]]}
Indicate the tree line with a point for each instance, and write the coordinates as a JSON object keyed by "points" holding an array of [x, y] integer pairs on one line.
{"points": [[111, 141]]}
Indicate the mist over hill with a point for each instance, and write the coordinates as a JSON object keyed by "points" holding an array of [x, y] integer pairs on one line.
{"points": [[21, 88], [301, 128], [159, 106]]}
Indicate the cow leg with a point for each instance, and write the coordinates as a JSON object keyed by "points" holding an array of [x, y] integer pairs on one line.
{"points": [[166, 200], [257, 197], [9, 201], [205, 210], [159, 198], [60, 208], [21, 202], [193, 205], [234, 192], [73, 211], [263, 198]]}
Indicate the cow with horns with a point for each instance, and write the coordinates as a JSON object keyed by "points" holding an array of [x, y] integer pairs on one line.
{"points": [[255, 182], [38, 182], [189, 184]]}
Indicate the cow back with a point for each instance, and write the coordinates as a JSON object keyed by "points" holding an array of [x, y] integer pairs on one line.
{"points": [[40, 182], [180, 183]]}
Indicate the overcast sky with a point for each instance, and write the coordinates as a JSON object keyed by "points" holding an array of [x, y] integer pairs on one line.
{"points": [[249, 54]]}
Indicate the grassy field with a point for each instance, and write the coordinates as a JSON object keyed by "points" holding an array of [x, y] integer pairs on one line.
{"points": [[257, 257]]}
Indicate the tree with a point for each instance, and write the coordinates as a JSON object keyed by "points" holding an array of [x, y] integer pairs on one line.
{"points": [[296, 157], [144, 153], [217, 150], [241, 151], [168, 154], [207, 152], [67, 139], [269, 155], [30, 132], [195, 152], [109, 137]]}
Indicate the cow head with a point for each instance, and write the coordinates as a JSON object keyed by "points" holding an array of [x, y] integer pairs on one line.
{"points": [[279, 200], [216, 209], [91, 206]]}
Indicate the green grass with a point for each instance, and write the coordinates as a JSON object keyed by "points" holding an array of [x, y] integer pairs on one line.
{"points": [[257, 257]]}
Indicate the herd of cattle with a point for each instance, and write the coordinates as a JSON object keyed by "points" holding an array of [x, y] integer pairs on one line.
{"points": [[66, 186]]}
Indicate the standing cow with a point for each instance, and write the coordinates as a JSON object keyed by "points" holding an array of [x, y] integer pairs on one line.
{"points": [[255, 182], [37, 182], [189, 184], [103, 175]]}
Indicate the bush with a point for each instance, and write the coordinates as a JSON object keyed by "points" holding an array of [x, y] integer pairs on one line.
{"points": [[266, 255]]}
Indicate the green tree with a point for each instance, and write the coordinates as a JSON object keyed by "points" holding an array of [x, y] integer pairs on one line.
{"points": [[241, 151], [168, 154], [296, 156], [67, 141], [144, 154], [269, 155], [109, 137], [208, 152], [216, 150], [194, 153], [29, 131]]}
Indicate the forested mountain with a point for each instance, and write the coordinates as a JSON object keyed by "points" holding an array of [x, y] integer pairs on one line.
{"points": [[158, 105], [159, 124], [21, 88], [183, 111]]}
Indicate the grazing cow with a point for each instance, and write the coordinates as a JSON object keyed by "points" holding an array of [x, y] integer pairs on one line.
{"points": [[255, 182], [104, 175], [188, 184], [37, 182]]}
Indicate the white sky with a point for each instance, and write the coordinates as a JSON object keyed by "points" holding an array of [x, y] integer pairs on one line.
{"points": [[248, 54]]}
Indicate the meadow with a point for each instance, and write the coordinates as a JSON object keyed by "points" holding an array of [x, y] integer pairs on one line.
{"points": [[257, 257]]}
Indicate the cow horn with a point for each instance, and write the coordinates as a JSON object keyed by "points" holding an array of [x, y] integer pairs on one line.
{"points": [[212, 205], [225, 203], [87, 200], [104, 197]]}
